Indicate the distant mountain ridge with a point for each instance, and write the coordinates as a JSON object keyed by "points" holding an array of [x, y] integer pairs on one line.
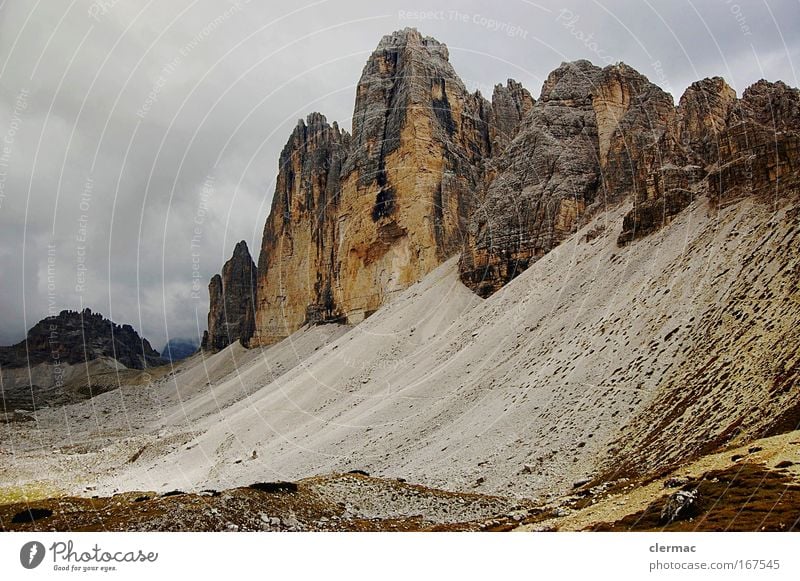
{"points": [[70, 357], [179, 348], [73, 337]]}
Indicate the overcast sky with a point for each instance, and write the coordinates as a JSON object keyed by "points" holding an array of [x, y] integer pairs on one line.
{"points": [[130, 127]]}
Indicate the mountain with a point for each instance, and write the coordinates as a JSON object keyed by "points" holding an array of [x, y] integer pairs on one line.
{"points": [[356, 219], [600, 136], [671, 363], [72, 356], [432, 171], [178, 349], [74, 337], [576, 310], [232, 297], [598, 364]]}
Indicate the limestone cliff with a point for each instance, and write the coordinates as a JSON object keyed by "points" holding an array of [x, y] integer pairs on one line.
{"points": [[432, 170], [597, 137], [545, 180], [759, 147], [232, 296], [357, 219], [297, 264], [413, 173], [722, 146]]}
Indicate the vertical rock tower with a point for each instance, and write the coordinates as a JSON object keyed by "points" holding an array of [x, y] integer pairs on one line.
{"points": [[232, 298], [357, 219], [432, 170]]}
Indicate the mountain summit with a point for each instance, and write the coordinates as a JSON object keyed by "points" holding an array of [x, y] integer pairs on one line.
{"points": [[432, 170]]}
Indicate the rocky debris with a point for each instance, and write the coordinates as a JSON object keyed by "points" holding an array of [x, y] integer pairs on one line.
{"points": [[232, 301], [675, 482], [17, 416], [581, 482], [73, 337], [680, 506], [31, 515], [275, 487], [325, 503]]}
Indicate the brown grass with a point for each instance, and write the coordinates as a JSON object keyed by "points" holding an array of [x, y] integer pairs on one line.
{"points": [[746, 497]]}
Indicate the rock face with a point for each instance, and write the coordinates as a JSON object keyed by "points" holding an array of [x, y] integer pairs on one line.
{"points": [[602, 136], [357, 219], [545, 180], [232, 300], [432, 170], [74, 337], [720, 146], [759, 148], [413, 172], [510, 105], [297, 263]]}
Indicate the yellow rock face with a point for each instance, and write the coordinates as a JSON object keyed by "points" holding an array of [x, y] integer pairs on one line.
{"points": [[380, 258], [295, 269], [356, 220]]}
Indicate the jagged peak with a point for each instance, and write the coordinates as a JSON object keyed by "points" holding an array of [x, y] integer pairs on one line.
{"points": [[410, 37], [763, 85], [315, 122], [622, 67], [580, 64], [580, 76], [774, 105], [313, 129], [511, 86], [241, 250], [709, 85]]}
